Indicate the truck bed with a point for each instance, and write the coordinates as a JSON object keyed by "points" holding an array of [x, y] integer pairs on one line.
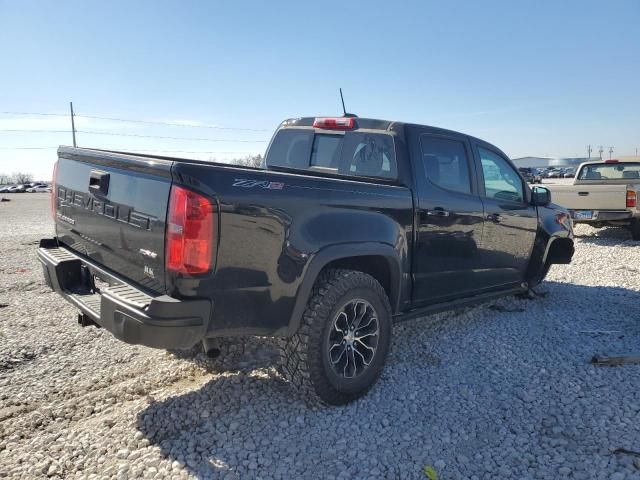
{"points": [[270, 225]]}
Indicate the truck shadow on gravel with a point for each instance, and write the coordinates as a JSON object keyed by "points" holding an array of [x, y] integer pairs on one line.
{"points": [[247, 421], [606, 236]]}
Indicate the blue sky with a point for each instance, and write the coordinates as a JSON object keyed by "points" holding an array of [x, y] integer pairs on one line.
{"points": [[534, 77]]}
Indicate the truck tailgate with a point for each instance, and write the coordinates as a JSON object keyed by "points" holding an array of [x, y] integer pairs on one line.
{"points": [[112, 208], [590, 197]]}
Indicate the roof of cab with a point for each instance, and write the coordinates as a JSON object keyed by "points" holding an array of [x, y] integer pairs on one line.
{"points": [[368, 123], [388, 125], [612, 161]]}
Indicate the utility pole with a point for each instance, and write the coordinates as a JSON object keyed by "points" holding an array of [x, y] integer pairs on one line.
{"points": [[73, 125], [600, 150], [589, 149], [610, 152]]}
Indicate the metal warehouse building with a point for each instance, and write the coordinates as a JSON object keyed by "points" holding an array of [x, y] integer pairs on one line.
{"points": [[538, 162]]}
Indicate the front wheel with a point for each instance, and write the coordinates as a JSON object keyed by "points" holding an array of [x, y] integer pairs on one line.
{"points": [[341, 346]]}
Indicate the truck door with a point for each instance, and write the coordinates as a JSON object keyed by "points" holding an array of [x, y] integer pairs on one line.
{"points": [[510, 222], [449, 217]]}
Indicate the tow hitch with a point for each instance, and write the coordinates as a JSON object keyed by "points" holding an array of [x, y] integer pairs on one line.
{"points": [[85, 321]]}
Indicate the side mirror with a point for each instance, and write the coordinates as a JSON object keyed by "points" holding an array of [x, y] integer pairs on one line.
{"points": [[540, 196]]}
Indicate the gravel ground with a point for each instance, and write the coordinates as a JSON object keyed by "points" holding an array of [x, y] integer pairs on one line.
{"points": [[505, 390]]}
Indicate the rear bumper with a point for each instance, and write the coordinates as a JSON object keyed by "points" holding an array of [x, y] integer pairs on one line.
{"points": [[130, 314], [604, 216]]}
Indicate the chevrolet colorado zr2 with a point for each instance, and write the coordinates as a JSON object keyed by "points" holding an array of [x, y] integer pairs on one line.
{"points": [[351, 225]]}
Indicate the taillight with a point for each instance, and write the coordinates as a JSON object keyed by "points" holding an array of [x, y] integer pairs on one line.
{"points": [[54, 193], [191, 232], [338, 123], [631, 199]]}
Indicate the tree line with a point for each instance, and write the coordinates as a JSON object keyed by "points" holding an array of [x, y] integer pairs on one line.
{"points": [[17, 177], [255, 161]]}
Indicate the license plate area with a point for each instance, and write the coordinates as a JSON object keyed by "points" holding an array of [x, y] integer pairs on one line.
{"points": [[582, 214]]}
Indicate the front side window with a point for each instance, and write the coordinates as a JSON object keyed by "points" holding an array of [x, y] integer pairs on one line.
{"points": [[445, 163], [501, 181]]}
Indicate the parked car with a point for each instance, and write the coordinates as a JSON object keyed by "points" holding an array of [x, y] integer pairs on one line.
{"points": [[604, 193], [17, 189], [545, 172], [39, 188], [530, 175], [4, 189], [569, 172], [352, 225], [554, 173]]}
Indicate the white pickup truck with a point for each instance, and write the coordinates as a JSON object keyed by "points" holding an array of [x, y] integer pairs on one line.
{"points": [[604, 193]]}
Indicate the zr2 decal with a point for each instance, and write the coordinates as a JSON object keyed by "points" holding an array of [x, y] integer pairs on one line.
{"points": [[244, 183]]}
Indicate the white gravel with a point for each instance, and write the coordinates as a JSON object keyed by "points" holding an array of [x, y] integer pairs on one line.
{"points": [[502, 392]]}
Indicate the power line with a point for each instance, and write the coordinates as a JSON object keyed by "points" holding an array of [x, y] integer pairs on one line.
{"points": [[90, 132], [138, 150], [131, 120], [169, 138], [36, 113], [26, 148], [35, 131], [170, 124]]}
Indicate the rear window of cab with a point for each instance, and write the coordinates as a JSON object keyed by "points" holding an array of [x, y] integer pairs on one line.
{"points": [[611, 170], [361, 154]]}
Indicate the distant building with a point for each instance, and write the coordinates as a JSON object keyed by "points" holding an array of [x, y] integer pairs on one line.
{"points": [[629, 158], [538, 162]]}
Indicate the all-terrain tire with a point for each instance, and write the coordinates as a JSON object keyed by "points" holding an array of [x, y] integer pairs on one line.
{"points": [[305, 358]]}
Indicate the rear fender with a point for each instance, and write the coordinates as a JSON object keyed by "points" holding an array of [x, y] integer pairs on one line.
{"points": [[344, 252]]}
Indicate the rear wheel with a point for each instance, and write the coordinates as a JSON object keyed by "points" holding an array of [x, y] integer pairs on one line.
{"points": [[343, 341]]}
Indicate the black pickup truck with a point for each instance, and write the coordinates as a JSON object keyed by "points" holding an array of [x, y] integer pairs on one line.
{"points": [[352, 224]]}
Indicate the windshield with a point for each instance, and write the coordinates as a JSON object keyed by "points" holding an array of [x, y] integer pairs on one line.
{"points": [[610, 171]]}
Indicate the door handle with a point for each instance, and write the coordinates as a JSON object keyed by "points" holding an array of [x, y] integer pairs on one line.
{"points": [[494, 217], [438, 212], [99, 183], [583, 194]]}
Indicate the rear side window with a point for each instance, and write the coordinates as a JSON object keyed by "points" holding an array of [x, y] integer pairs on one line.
{"points": [[353, 153], [445, 163], [369, 155]]}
